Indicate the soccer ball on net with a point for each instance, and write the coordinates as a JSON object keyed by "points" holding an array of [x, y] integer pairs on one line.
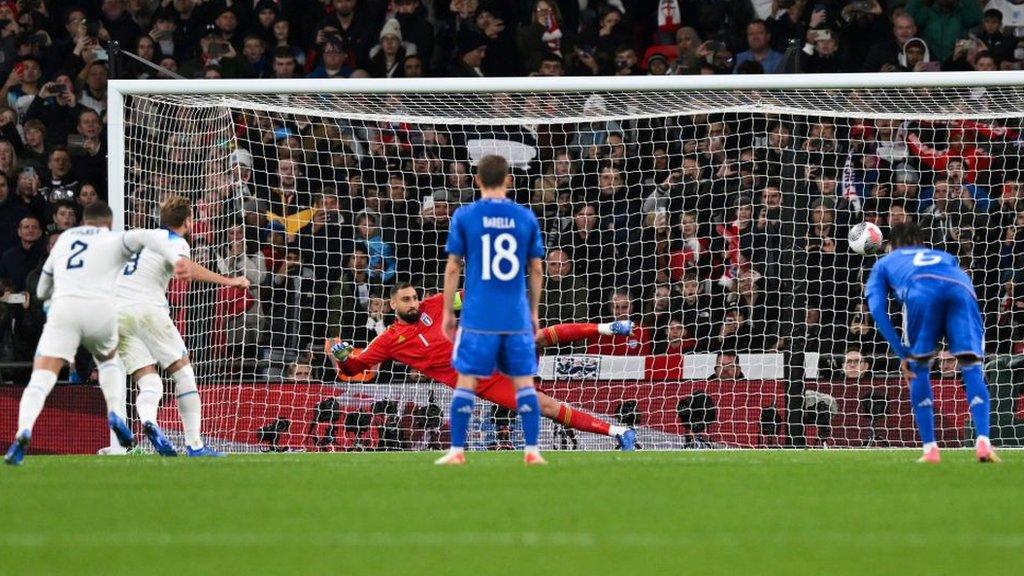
{"points": [[866, 238]]}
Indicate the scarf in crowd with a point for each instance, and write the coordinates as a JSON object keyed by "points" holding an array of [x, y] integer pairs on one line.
{"points": [[668, 16], [553, 35]]}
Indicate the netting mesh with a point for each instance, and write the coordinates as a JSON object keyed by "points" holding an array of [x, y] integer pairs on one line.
{"points": [[716, 221]]}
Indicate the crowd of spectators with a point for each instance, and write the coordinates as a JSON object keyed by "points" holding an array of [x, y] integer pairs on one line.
{"points": [[714, 233]]}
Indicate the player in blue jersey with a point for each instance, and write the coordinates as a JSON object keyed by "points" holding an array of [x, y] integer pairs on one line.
{"points": [[938, 300], [499, 243]]}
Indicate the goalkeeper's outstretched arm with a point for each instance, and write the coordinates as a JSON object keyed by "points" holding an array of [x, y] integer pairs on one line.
{"points": [[351, 363]]}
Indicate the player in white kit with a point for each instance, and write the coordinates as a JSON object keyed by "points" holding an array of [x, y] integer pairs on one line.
{"points": [[78, 279], [150, 338]]}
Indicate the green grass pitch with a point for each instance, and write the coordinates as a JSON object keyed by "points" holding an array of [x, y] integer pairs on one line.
{"points": [[699, 512]]}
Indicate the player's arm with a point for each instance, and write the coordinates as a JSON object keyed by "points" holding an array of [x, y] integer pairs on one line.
{"points": [[877, 294], [204, 274], [350, 363], [156, 240], [459, 295], [44, 289], [535, 281], [452, 274], [456, 248]]}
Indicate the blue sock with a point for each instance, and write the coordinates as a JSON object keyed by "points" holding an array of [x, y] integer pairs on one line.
{"points": [[921, 401], [977, 397], [461, 411], [529, 413]]}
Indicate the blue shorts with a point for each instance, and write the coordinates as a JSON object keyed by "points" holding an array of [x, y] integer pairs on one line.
{"points": [[482, 353], [934, 309]]}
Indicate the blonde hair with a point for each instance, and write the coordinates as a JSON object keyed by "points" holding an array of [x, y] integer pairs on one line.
{"points": [[175, 210]]}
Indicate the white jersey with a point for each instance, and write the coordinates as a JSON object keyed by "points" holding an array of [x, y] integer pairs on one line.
{"points": [[86, 260], [144, 279]]}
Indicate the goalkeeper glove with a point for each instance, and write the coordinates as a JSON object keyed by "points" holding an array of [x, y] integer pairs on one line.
{"points": [[341, 350]]}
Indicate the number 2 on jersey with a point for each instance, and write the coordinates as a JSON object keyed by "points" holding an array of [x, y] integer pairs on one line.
{"points": [[75, 259], [504, 250]]}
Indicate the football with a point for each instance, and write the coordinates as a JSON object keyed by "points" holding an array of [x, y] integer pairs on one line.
{"points": [[866, 238]]}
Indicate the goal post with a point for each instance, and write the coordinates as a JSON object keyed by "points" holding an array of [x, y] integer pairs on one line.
{"points": [[710, 210]]}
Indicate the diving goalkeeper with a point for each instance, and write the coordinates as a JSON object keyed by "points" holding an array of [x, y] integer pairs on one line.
{"points": [[417, 339]]}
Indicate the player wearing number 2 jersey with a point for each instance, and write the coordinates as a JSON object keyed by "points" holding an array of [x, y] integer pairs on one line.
{"points": [[499, 243], [77, 278], [938, 301]]}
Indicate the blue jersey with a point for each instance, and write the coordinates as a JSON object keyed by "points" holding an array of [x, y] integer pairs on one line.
{"points": [[938, 300], [497, 239]]}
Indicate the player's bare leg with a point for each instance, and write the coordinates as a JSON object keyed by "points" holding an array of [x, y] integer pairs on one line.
{"points": [[44, 376], [976, 392], [460, 412]]}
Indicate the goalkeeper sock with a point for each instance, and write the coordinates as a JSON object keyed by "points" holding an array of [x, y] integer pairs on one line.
{"points": [[461, 410], [565, 333], [190, 407], [151, 389], [583, 421], [977, 398], [34, 397], [529, 413], [112, 384], [921, 401]]}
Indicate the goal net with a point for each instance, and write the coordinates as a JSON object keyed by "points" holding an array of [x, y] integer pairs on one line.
{"points": [[714, 219]]}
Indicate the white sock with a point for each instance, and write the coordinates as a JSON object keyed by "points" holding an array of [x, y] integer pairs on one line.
{"points": [[930, 445], [151, 389], [115, 447], [616, 430], [34, 397], [605, 328], [113, 385], [190, 407], [983, 440], [531, 450], [455, 450]]}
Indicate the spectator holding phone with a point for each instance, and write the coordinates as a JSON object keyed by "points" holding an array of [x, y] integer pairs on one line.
{"points": [[57, 108], [22, 85], [214, 50]]}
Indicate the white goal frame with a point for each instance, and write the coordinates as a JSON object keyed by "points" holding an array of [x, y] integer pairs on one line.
{"points": [[117, 90]]}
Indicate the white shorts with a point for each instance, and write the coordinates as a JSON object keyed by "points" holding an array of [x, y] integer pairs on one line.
{"points": [[72, 322], [148, 336]]}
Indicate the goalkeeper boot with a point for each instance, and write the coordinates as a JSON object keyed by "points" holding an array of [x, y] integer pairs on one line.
{"points": [[985, 453], [930, 456], [204, 452], [16, 453], [627, 440], [452, 458], [532, 458], [121, 430], [160, 442]]}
